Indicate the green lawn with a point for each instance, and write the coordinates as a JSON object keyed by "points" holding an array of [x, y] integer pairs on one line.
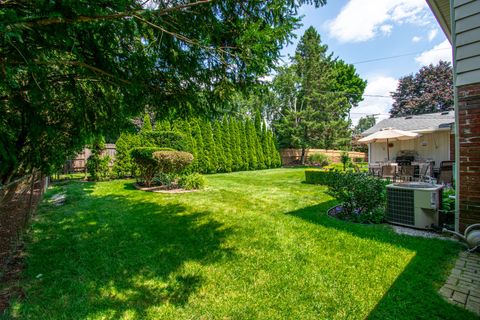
{"points": [[253, 245]]}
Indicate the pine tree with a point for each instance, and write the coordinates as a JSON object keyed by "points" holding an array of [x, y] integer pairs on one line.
{"points": [[243, 146], [219, 149], [251, 136], [147, 124], [209, 143], [203, 162]]}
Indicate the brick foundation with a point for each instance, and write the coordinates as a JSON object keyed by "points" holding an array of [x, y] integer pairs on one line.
{"points": [[469, 166]]}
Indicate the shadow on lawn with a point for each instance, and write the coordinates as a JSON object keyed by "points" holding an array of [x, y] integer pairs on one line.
{"points": [[414, 292], [122, 257]]}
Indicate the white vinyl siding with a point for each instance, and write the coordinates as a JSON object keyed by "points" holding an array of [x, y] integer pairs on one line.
{"points": [[430, 146]]}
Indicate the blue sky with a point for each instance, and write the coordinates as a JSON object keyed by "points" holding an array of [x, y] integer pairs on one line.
{"points": [[359, 30]]}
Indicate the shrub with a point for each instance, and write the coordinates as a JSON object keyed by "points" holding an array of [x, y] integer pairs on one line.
{"points": [[98, 167], [345, 159], [172, 161], [147, 165], [166, 139], [358, 160], [362, 196], [322, 177], [192, 181], [318, 159]]}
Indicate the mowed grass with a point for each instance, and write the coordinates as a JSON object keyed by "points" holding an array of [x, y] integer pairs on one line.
{"points": [[253, 245]]}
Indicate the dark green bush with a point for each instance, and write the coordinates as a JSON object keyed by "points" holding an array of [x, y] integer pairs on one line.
{"points": [[98, 167], [322, 177], [345, 159], [147, 165], [192, 181], [362, 196], [172, 161], [318, 159], [166, 139]]}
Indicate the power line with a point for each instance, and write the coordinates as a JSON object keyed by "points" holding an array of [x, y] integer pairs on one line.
{"points": [[397, 56]]}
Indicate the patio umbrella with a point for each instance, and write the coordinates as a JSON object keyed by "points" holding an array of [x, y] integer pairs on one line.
{"points": [[388, 135]]}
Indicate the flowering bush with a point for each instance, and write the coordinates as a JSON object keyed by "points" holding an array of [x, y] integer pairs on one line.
{"points": [[362, 196]]}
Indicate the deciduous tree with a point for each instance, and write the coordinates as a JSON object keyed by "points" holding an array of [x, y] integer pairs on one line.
{"points": [[429, 90]]}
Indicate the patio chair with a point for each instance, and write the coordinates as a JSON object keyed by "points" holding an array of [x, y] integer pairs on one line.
{"points": [[389, 171], [406, 173], [424, 173]]}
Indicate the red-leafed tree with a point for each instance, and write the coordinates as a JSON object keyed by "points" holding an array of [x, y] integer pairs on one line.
{"points": [[429, 90]]}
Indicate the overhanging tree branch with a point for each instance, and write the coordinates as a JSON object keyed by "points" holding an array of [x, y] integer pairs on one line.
{"points": [[85, 19]]}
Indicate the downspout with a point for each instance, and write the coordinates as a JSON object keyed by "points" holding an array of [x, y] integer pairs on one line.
{"points": [[457, 127]]}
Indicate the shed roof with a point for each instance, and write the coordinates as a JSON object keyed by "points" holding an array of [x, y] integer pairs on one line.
{"points": [[419, 123]]}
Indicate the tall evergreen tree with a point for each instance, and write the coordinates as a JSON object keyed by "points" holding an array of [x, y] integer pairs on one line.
{"points": [[147, 124], [203, 163], [227, 147], [237, 162], [244, 151], [311, 93], [252, 146], [258, 140], [209, 143], [274, 154], [266, 147], [219, 148]]}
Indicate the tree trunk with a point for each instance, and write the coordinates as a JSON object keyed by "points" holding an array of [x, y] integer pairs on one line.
{"points": [[302, 159]]}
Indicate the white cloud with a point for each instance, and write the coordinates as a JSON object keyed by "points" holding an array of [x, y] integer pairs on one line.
{"points": [[362, 20], [377, 85], [416, 39], [442, 51], [432, 34], [386, 28]]}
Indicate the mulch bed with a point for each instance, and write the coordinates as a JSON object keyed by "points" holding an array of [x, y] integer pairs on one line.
{"points": [[161, 189]]}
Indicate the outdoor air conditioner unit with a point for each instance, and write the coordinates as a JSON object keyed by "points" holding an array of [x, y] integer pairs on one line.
{"points": [[413, 204]]}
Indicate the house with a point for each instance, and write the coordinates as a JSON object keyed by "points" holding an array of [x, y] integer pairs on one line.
{"points": [[436, 140], [460, 21]]}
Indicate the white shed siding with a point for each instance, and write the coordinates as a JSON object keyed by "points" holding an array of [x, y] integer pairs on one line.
{"points": [[434, 146], [467, 41]]}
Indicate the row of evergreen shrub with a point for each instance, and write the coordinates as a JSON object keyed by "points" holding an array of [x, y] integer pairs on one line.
{"points": [[227, 145]]}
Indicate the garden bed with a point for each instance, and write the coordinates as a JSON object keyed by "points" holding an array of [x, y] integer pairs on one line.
{"points": [[162, 189]]}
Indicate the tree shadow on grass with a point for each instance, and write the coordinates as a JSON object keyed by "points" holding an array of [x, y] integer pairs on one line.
{"points": [[115, 256], [414, 293]]}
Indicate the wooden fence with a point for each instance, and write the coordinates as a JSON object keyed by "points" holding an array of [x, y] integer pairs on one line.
{"points": [[293, 156], [78, 164]]}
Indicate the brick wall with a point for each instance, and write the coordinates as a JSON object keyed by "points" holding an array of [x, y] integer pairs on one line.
{"points": [[469, 166]]}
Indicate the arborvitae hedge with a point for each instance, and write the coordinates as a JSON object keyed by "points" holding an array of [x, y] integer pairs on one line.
{"points": [[217, 146]]}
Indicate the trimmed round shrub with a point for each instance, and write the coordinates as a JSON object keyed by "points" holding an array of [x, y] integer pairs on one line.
{"points": [[172, 161], [147, 165], [192, 181]]}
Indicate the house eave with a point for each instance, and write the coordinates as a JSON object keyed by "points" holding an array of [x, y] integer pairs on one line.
{"points": [[441, 10]]}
